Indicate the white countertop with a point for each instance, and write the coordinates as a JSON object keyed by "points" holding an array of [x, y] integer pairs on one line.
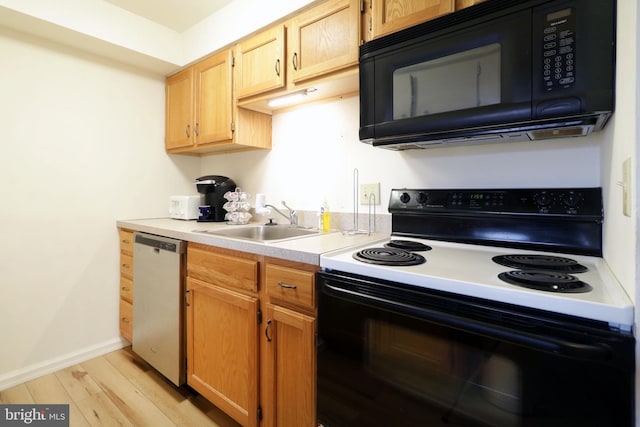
{"points": [[305, 249]]}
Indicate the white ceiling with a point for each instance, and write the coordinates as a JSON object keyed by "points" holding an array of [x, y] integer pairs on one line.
{"points": [[175, 14]]}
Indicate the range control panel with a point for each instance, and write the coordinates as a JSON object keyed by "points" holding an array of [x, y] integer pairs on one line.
{"points": [[555, 201]]}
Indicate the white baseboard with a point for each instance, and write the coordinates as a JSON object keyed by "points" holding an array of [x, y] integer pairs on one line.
{"points": [[28, 373]]}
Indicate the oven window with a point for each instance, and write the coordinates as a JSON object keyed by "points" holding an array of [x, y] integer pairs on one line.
{"points": [[455, 82], [378, 368]]}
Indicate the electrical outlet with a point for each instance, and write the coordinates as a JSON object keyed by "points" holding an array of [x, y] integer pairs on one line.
{"points": [[369, 191]]}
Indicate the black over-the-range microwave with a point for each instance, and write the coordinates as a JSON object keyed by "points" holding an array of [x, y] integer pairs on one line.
{"points": [[499, 71]]}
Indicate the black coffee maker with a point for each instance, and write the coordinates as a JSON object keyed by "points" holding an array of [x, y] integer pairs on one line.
{"points": [[213, 187]]}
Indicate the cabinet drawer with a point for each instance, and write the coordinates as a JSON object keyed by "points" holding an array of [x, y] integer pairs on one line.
{"points": [[126, 288], [126, 320], [126, 241], [290, 285], [126, 264], [222, 269]]}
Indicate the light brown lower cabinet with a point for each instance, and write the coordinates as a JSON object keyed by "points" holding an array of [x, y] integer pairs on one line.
{"points": [[290, 368], [126, 284], [222, 349], [251, 334]]}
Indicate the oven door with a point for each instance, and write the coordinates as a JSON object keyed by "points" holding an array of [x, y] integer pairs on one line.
{"points": [[393, 355]]}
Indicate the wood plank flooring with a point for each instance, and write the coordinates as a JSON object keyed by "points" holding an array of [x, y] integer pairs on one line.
{"points": [[119, 389]]}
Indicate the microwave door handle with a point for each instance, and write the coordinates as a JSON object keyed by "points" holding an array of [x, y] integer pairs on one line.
{"points": [[597, 352]]}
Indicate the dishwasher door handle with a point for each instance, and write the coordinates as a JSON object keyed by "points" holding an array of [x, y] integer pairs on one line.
{"points": [[159, 243]]}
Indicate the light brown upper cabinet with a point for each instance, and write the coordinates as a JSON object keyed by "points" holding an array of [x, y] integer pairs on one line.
{"points": [[260, 65], [389, 16], [317, 48], [214, 98], [461, 4], [324, 39], [179, 110], [201, 115]]}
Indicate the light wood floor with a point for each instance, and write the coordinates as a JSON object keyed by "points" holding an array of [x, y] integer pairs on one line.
{"points": [[119, 389]]}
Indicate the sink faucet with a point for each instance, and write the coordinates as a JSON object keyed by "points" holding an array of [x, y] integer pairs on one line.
{"points": [[293, 215]]}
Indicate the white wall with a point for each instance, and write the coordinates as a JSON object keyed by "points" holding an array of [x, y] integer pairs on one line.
{"points": [[620, 231], [316, 148], [225, 26], [82, 146]]}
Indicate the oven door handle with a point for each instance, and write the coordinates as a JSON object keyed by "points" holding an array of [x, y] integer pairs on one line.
{"points": [[596, 352]]}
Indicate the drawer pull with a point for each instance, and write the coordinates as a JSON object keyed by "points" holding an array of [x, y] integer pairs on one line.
{"points": [[125, 241], [285, 286], [125, 289], [266, 330], [126, 266], [125, 320]]}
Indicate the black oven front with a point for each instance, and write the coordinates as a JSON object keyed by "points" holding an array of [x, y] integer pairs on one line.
{"points": [[395, 355]]}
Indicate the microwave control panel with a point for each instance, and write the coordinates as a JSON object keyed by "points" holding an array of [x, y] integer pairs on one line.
{"points": [[559, 50]]}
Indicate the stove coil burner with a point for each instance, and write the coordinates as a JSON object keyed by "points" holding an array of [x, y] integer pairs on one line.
{"points": [[408, 245], [545, 281], [389, 256], [540, 262]]}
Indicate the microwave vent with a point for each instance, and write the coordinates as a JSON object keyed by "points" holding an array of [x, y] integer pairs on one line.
{"points": [[560, 133]]}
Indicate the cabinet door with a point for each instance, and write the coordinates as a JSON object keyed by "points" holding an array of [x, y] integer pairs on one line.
{"points": [[461, 4], [291, 368], [214, 99], [222, 349], [324, 39], [260, 65], [179, 110], [393, 15]]}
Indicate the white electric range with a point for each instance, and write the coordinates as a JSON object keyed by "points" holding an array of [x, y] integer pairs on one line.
{"points": [[495, 322], [558, 227]]}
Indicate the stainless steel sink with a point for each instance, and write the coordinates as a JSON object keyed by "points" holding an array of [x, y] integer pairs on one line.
{"points": [[263, 233]]}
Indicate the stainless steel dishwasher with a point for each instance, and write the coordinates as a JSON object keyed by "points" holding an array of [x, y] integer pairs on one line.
{"points": [[158, 309]]}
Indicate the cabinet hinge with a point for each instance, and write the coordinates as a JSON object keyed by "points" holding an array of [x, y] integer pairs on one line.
{"points": [[233, 127], [233, 61], [361, 6], [259, 316]]}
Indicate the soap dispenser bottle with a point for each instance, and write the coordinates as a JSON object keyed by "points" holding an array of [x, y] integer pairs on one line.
{"points": [[325, 218]]}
